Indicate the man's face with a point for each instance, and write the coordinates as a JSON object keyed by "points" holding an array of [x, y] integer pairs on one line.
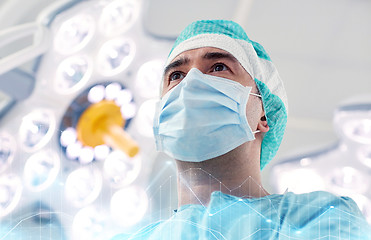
{"points": [[215, 62]]}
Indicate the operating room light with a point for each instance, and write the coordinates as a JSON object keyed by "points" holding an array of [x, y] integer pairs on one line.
{"points": [[349, 179], [128, 110], [87, 155], [92, 53], [296, 180], [96, 94], [89, 223], [128, 205], [124, 97], [120, 169], [115, 56], [72, 74], [41, 170], [364, 205], [112, 91], [10, 193], [101, 152], [118, 16], [68, 137], [83, 186], [7, 149], [74, 34], [364, 155], [359, 130], [37, 128], [144, 118], [149, 78], [73, 150]]}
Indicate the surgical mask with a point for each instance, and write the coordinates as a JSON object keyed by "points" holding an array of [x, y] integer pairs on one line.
{"points": [[202, 117]]}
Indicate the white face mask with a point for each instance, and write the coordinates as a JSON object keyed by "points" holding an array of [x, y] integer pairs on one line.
{"points": [[202, 117]]}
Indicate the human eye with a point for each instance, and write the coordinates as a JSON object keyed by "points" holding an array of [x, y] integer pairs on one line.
{"points": [[218, 67], [176, 76]]}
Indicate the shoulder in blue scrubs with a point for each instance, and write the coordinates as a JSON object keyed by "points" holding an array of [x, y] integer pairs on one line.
{"points": [[316, 215]]}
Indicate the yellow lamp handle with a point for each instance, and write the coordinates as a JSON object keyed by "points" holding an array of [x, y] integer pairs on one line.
{"points": [[117, 138]]}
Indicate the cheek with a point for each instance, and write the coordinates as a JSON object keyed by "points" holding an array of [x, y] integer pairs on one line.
{"points": [[253, 107], [164, 89], [245, 79]]}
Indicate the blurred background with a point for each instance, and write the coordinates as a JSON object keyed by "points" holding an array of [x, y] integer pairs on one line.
{"points": [[78, 85]]}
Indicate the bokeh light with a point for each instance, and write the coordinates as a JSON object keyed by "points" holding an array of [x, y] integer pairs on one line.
{"points": [[118, 16], [74, 34], [149, 78], [144, 118], [115, 56], [73, 150], [112, 91], [68, 136], [364, 155], [89, 223], [72, 74], [41, 170], [128, 205], [96, 94], [120, 169], [7, 150], [358, 130], [348, 179], [83, 186], [37, 128], [101, 152], [10, 193], [297, 180]]}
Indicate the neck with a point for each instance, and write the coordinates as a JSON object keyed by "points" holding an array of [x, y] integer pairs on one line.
{"points": [[236, 173]]}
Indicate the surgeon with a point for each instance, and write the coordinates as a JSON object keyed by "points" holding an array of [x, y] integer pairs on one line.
{"points": [[222, 116]]}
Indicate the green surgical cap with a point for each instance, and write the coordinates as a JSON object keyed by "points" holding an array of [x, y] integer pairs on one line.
{"points": [[230, 36]]}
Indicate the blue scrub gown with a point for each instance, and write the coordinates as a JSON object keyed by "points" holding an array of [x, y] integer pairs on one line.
{"points": [[316, 215]]}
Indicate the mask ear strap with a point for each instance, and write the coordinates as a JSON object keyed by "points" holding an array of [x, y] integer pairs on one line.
{"points": [[257, 95]]}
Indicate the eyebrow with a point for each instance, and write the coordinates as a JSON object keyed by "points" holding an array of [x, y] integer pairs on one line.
{"points": [[219, 55], [175, 64]]}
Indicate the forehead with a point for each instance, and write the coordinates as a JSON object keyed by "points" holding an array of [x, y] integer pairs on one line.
{"points": [[199, 52]]}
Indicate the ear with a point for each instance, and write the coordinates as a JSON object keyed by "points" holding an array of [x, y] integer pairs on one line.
{"points": [[263, 125]]}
